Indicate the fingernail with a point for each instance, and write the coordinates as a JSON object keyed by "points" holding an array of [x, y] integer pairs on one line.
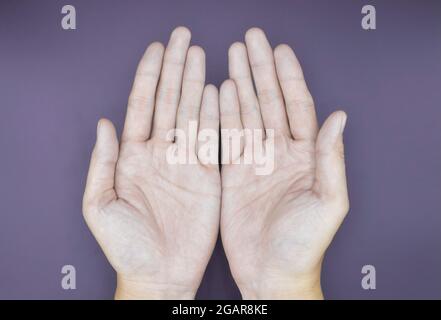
{"points": [[343, 122]]}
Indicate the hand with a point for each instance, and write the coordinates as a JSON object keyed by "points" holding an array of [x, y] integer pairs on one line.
{"points": [[157, 222], [275, 228]]}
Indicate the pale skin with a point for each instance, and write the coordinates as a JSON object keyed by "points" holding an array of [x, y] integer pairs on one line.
{"points": [[157, 223], [276, 228]]}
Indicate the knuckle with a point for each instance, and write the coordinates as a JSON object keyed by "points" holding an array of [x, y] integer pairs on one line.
{"points": [[259, 65], [269, 96], [139, 101], [189, 112], [174, 61], [305, 104], [194, 81], [248, 108], [147, 74], [168, 95]]}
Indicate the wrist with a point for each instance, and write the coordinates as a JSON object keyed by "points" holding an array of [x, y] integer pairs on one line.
{"points": [[128, 289], [303, 288]]}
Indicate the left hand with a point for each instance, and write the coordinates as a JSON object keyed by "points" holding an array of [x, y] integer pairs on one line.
{"points": [[276, 228]]}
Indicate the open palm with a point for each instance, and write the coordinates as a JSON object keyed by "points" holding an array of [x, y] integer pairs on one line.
{"points": [[157, 221], [276, 227]]}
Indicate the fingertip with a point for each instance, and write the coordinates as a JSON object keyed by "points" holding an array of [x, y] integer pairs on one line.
{"points": [[343, 118], [331, 131], [155, 47], [228, 93], [196, 52], [106, 132], [227, 86], [254, 34], [211, 90], [105, 123], [238, 60], [102, 123], [236, 47], [181, 32], [338, 119], [282, 50]]}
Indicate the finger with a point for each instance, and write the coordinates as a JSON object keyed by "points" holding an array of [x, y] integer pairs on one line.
{"points": [[100, 180], [330, 167], [169, 89], [268, 90], [229, 106], [142, 97], [231, 125], [209, 127], [298, 100], [239, 70], [192, 88]]}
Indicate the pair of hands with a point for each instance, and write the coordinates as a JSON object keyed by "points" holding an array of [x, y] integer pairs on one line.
{"points": [[157, 222]]}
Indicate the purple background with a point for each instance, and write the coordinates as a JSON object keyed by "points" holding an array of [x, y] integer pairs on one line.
{"points": [[56, 84]]}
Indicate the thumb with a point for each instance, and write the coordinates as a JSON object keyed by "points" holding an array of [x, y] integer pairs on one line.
{"points": [[330, 180], [100, 179]]}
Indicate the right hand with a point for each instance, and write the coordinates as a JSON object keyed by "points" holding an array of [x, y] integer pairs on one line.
{"points": [[156, 222]]}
